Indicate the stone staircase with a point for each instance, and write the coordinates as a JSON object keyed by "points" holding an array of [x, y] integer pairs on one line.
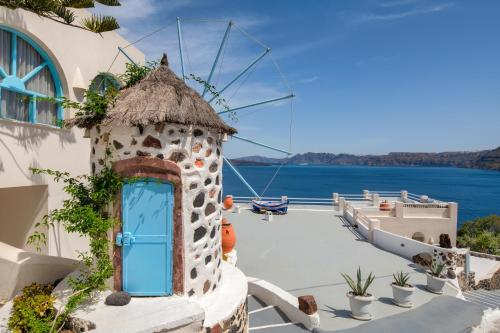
{"points": [[487, 298], [269, 319]]}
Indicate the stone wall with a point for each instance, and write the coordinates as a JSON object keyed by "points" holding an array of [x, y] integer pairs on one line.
{"points": [[466, 283], [238, 323], [448, 258], [492, 283], [198, 153]]}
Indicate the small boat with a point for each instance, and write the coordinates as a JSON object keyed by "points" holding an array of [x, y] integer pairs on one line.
{"points": [[278, 207]]}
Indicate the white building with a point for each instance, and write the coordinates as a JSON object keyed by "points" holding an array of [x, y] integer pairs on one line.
{"points": [[199, 291], [40, 57]]}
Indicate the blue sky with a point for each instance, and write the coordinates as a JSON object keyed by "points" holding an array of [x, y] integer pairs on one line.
{"points": [[371, 76]]}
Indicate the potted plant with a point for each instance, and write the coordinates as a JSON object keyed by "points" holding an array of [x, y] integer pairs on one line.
{"points": [[402, 290], [435, 278], [359, 299]]}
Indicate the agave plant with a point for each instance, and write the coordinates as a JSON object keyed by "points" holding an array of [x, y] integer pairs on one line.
{"points": [[401, 279], [358, 288], [437, 269]]}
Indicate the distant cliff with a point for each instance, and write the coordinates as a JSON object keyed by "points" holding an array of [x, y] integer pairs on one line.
{"points": [[485, 159]]}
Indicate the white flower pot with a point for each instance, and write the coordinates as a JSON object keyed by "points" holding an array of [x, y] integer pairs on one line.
{"points": [[434, 284], [360, 306], [402, 295]]}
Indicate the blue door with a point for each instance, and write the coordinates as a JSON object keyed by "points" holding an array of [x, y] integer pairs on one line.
{"points": [[147, 210]]}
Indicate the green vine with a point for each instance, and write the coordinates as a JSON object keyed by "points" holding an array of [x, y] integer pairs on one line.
{"points": [[134, 73], [93, 109], [84, 213], [213, 91]]}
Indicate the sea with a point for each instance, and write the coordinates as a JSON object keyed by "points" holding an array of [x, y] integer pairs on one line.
{"points": [[477, 192]]}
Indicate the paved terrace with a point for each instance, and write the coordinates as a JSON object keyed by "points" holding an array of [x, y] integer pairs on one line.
{"points": [[305, 251]]}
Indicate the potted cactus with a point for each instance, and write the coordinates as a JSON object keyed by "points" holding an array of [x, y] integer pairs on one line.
{"points": [[359, 298], [435, 278], [402, 290]]}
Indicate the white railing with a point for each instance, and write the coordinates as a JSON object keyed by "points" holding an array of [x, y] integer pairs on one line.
{"points": [[366, 196], [352, 197], [363, 219], [292, 201], [418, 198], [426, 205], [349, 209], [388, 193]]}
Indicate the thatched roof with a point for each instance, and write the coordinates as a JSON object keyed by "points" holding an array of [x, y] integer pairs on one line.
{"points": [[163, 97]]}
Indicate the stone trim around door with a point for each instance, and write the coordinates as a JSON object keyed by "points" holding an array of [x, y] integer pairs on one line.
{"points": [[147, 167]]}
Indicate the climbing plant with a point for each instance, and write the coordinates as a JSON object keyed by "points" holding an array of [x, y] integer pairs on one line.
{"points": [[85, 213], [215, 93], [134, 73], [92, 110]]}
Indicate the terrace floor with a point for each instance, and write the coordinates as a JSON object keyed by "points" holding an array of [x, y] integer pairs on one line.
{"points": [[305, 251]]}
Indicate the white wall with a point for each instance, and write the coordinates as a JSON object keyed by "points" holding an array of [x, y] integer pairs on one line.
{"points": [[403, 246], [371, 229], [406, 221], [20, 208], [20, 268], [24, 145]]}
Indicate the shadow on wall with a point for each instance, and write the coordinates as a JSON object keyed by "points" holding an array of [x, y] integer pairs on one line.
{"points": [[30, 138], [20, 209]]}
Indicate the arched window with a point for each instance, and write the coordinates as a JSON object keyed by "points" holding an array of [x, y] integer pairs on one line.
{"points": [[103, 82], [27, 78]]}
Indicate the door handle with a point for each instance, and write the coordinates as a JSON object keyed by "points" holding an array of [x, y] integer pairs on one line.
{"points": [[127, 238]]}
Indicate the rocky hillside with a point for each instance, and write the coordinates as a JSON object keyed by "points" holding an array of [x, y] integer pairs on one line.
{"points": [[486, 159]]}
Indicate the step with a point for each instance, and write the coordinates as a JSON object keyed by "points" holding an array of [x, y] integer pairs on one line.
{"points": [[279, 328], [255, 303], [488, 298], [268, 316]]}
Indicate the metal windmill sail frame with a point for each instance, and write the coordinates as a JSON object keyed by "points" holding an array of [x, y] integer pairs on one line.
{"points": [[231, 82]]}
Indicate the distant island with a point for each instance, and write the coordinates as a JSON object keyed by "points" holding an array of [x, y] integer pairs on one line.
{"points": [[485, 159]]}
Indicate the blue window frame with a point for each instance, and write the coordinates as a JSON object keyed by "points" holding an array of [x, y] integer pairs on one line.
{"points": [[27, 78], [103, 81]]}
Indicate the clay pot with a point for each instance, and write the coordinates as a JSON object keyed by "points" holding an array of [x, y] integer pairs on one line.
{"points": [[385, 206], [228, 236], [228, 202]]}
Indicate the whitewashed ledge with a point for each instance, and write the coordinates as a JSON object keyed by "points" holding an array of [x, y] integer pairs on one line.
{"points": [[286, 302], [221, 304], [141, 315], [173, 313], [154, 314]]}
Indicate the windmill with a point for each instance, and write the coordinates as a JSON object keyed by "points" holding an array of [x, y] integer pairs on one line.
{"points": [[215, 97]]}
